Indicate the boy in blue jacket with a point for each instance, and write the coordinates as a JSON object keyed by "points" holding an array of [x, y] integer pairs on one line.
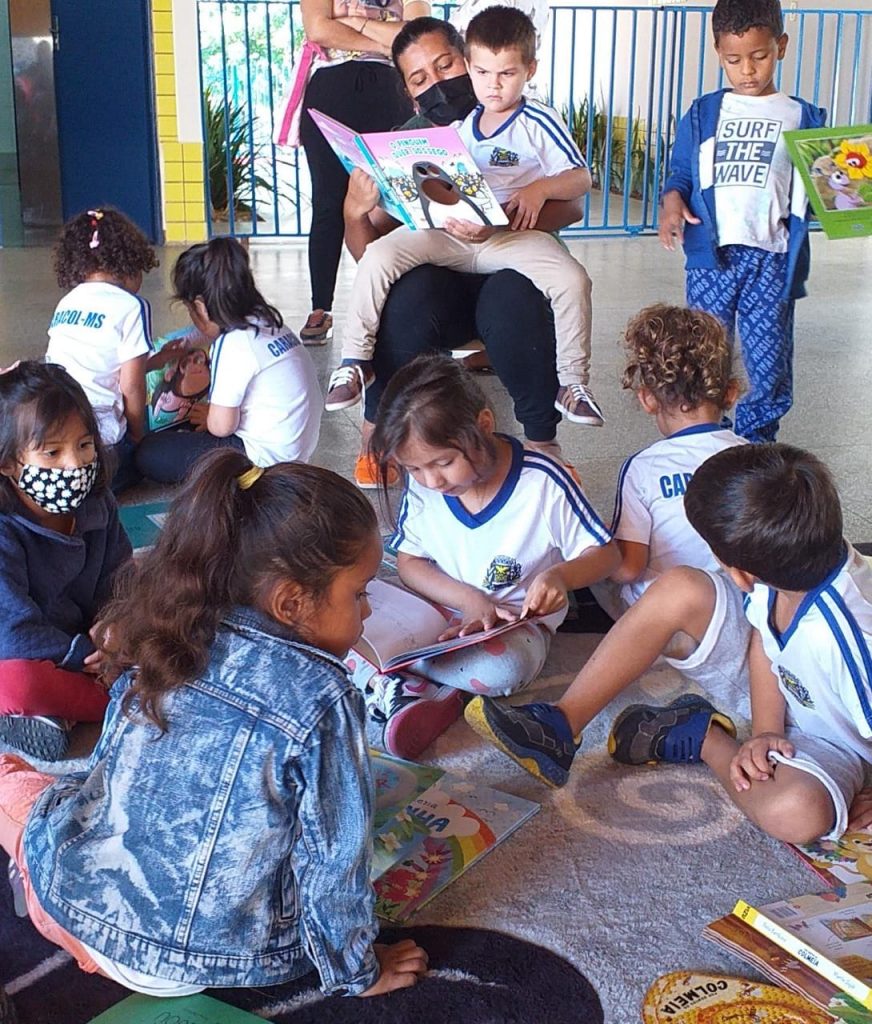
{"points": [[740, 209]]}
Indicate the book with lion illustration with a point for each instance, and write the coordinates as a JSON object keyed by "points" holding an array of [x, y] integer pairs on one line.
{"points": [[430, 827], [424, 176], [836, 167]]}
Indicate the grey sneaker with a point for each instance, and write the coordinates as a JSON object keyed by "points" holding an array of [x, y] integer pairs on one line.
{"points": [[36, 735], [577, 403], [346, 386], [647, 734], [317, 329]]}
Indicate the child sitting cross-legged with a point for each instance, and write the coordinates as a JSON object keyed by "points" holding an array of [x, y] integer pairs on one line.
{"points": [[771, 515], [221, 835], [486, 528], [679, 365]]}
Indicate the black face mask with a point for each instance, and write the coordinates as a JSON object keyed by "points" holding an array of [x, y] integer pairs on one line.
{"points": [[447, 101]]}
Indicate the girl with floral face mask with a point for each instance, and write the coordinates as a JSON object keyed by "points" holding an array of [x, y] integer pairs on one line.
{"points": [[60, 544]]}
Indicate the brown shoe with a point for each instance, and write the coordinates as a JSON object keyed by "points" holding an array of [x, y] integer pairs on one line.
{"points": [[577, 403], [346, 385], [317, 329]]}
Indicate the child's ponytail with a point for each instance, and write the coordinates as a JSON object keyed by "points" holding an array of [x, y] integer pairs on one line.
{"points": [[232, 532]]}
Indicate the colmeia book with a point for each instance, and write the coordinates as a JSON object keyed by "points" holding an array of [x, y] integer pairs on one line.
{"points": [[818, 945], [403, 628], [430, 827], [424, 176]]}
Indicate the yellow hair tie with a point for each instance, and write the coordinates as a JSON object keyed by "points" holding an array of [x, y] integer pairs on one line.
{"points": [[249, 477]]}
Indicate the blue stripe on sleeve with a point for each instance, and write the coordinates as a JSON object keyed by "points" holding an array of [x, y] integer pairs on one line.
{"points": [[574, 495], [619, 495], [145, 316], [558, 134], [216, 355], [398, 536], [861, 685]]}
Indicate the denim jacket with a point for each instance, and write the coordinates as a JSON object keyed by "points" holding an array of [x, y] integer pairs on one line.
{"points": [[694, 142], [234, 849], [52, 586]]}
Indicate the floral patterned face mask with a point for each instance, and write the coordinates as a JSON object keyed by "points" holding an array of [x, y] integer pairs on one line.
{"points": [[58, 490]]}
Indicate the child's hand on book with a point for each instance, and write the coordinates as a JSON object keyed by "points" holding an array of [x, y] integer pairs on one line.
{"points": [[860, 812], [198, 415], [752, 764], [546, 594], [479, 615], [402, 965]]}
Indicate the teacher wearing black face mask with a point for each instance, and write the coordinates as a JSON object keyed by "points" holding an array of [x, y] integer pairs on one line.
{"points": [[436, 308]]}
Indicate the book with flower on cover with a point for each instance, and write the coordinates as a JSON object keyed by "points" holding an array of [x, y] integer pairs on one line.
{"points": [[403, 628], [424, 176], [430, 827]]}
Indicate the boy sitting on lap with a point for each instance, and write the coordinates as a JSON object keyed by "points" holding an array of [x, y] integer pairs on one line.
{"points": [[771, 515]]}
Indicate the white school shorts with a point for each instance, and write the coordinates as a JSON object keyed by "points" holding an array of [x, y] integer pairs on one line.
{"points": [[841, 771]]}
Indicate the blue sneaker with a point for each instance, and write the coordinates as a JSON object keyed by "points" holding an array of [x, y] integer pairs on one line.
{"points": [[646, 734], [35, 735], [535, 736]]}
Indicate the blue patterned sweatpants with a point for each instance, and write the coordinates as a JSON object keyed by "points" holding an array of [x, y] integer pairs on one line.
{"points": [[745, 295]]}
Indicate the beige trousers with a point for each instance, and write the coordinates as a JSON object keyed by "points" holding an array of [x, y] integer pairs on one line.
{"points": [[535, 254]]}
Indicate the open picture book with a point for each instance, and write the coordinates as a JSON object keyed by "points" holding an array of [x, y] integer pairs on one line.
{"points": [[424, 176], [403, 628], [819, 945], [171, 391], [430, 827]]}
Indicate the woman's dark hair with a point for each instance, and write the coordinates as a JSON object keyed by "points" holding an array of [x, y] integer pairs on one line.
{"points": [[736, 17], [34, 399], [770, 510], [412, 31], [222, 545], [101, 240], [680, 355], [218, 272], [436, 399]]}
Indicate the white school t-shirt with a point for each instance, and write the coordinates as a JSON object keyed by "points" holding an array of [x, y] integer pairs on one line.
{"points": [[96, 328], [533, 143], [822, 661], [269, 376], [539, 517], [649, 505], [752, 171]]}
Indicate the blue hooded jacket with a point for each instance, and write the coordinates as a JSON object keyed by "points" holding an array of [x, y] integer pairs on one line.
{"points": [[699, 125]]}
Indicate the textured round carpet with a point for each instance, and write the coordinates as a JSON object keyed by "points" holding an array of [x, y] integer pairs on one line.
{"points": [[477, 976]]}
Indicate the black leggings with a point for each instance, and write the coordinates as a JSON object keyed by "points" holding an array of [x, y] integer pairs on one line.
{"points": [[436, 308], [366, 96], [167, 456]]}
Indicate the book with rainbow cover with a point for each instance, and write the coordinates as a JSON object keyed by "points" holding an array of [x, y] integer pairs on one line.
{"points": [[430, 827], [424, 176]]}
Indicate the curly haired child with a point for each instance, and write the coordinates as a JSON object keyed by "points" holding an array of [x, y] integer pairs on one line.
{"points": [[101, 329]]}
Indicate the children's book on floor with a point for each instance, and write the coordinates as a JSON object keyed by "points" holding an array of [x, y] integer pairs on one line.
{"points": [[430, 827], [197, 1009], [174, 389], [142, 523], [404, 628], [839, 861], [424, 176], [819, 945]]}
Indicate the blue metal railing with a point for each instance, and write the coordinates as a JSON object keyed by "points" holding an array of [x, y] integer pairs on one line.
{"points": [[621, 76]]}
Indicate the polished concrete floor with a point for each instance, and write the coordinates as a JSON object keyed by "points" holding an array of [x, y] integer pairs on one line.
{"points": [[831, 415]]}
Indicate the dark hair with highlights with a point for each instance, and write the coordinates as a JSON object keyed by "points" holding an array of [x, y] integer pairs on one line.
{"points": [[736, 17], [219, 273], [503, 28], [223, 546], [436, 399], [771, 510], [35, 398], [680, 355], [122, 250], [413, 30]]}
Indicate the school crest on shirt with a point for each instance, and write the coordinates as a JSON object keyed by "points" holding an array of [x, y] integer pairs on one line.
{"points": [[502, 572], [503, 158], [794, 687]]}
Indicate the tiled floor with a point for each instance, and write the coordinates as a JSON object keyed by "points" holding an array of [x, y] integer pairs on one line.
{"points": [[832, 368]]}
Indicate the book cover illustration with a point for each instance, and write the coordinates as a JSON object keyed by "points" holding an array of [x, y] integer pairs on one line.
{"points": [[199, 1009], [172, 390], [835, 165], [425, 176], [685, 997], [842, 861], [434, 836], [404, 628], [785, 969], [142, 523]]}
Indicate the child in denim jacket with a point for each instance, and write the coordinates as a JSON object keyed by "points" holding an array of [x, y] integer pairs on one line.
{"points": [[220, 836]]}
